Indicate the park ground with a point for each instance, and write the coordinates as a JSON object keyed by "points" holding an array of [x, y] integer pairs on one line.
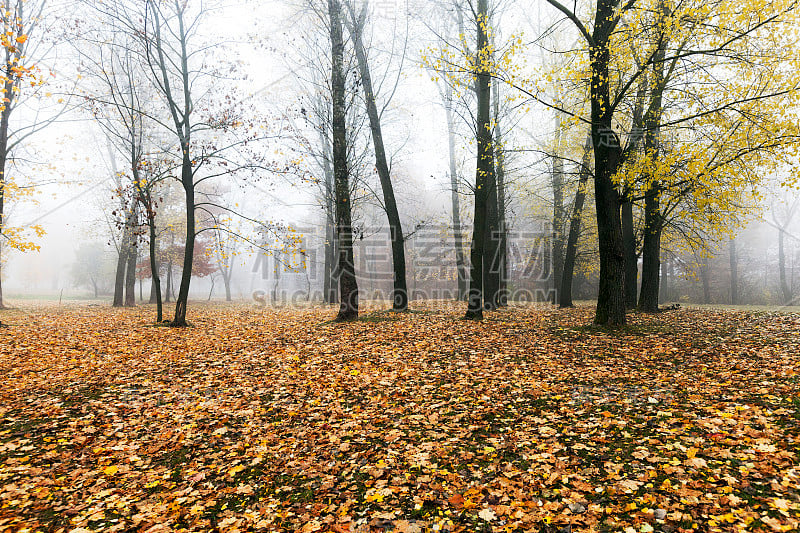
{"points": [[279, 420]]}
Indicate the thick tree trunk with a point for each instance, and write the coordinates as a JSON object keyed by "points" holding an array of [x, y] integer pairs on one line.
{"points": [[607, 150], [631, 257], [484, 169], [734, 273], [400, 295], [455, 207], [571, 250], [348, 285], [651, 252]]}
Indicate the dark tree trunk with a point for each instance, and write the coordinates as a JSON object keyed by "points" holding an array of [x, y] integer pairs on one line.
{"points": [[348, 285], [607, 150], [571, 251], [631, 257], [734, 274], [458, 239], [491, 257], [651, 252], [484, 170], [400, 296]]}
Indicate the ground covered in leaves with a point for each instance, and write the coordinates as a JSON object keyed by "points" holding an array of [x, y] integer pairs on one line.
{"points": [[277, 420]]}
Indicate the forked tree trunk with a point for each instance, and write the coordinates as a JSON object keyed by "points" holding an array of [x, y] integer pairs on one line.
{"points": [[348, 285]]}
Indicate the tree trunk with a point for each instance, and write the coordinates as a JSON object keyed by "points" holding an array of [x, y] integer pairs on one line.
{"points": [[400, 296], [130, 273], [734, 274], [631, 257], [571, 251], [651, 252], [348, 285], [458, 238], [607, 150], [226, 280], [155, 291], [484, 168], [182, 302], [122, 265]]}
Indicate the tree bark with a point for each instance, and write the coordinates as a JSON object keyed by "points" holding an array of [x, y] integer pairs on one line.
{"points": [[571, 250], [130, 276], [631, 257], [348, 285], [484, 168], [400, 295], [611, 293]]}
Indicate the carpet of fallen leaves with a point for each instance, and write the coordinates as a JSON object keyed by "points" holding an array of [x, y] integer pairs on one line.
{"points": [[276, 420]]}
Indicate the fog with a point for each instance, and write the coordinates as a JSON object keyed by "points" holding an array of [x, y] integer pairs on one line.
{"points": [[262, 59]]}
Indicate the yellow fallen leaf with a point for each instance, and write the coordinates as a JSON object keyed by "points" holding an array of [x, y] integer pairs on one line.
{"points": [[110, 470]]}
